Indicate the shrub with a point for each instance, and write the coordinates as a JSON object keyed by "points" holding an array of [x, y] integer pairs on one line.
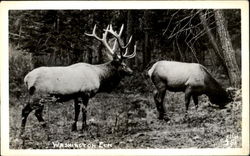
{"points": [[19, 66]]}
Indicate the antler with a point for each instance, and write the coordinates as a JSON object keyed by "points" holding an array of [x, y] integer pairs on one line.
{"points": [[118, 38], [131, 55], [103, 39], [120, 42]]}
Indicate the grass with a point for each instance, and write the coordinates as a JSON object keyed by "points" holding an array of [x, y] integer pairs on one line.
{"points": [[129, 120], [125, 118]]}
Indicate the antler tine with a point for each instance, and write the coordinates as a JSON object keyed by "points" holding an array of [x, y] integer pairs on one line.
{"points": [[131, 55], [105, 32], [120, 42], [103, 39], [118, 36], [94, 29], [110, 29], [93, 34], [114, 46], [114, 33], [127, 46], [120, 33], [128, 42]]}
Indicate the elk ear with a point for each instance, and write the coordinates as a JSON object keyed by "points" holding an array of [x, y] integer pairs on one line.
{"points": [[109, 56], [116, 58], [116, 61]]}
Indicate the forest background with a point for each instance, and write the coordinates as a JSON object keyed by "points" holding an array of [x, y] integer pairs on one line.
{"points": [[56, 38]]}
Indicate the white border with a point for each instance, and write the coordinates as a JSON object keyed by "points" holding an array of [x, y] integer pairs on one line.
{"points": [[5, 6]]}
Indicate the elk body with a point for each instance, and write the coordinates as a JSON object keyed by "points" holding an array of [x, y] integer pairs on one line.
{"points": [[77, 81], [191, 78]]}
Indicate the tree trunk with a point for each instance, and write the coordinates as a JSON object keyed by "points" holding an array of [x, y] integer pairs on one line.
{"points": [[129, 33], [181, 58], [213, 41], [99, 55], [227, 49], [147, 53], [90, 56]]}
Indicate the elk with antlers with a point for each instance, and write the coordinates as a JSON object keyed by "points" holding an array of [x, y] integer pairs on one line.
{"points": [[77, 81]]}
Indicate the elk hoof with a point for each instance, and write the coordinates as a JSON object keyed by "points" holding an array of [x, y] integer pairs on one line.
{"points": [[22, 130], [21, 135], [74, 128], [186, 118], [196, 107], [164, 118], [222, 107], [84, 128], [44, 125]]}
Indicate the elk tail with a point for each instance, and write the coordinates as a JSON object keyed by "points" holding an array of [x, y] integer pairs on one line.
{"points": [[32, 90], [29, 85], [151, 70]]}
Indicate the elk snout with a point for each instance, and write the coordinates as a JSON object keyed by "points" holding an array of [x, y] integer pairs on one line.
{"points": [[129, 71], [125, 69]]}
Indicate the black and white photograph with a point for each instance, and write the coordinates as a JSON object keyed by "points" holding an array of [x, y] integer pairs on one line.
{"points": [[100, 78]]}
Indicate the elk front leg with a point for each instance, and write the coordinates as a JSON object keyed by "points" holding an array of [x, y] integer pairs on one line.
{"points": [[187, 98], [77, 111], [33, 104], [39, 114], [85, 100], [195, 99]]}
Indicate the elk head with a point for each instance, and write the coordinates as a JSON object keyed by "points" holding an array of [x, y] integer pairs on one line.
{"points": [[117, 60]]}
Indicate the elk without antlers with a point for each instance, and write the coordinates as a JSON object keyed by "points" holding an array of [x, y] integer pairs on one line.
{"points": [[191, 78]]}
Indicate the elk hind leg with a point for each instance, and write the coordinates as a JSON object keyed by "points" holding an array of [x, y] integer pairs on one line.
{"points": [[77, 111]]}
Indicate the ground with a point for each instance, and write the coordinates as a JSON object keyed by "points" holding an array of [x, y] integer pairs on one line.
{"points": [[127, 120]]}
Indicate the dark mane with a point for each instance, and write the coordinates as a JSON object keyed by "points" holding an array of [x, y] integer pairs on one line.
{"points": [[110, 79]]}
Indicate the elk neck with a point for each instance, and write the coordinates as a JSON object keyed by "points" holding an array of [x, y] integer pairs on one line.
{"points": [[109, 77], [216, 93]]}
